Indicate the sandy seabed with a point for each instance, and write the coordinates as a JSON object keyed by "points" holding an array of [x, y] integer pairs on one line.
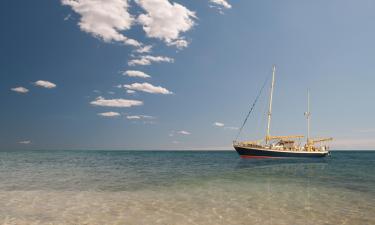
{"points": [[214, 202]]}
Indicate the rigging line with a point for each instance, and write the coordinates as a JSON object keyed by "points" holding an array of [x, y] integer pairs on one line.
{"points": [[251, 109]]}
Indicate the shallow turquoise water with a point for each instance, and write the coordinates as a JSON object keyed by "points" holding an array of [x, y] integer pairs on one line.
{"points": [[174, 187]]}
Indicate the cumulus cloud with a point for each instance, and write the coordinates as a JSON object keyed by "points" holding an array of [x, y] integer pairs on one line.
{"points": [[119, 102], [149, 88], [45, 84], [136, 73], [21, 90], [109, 114], [218, 124], [221, 3], [165, 20], [26, 142], [104, 19], [145, 60]]}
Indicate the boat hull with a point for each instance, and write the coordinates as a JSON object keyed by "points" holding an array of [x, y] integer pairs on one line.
{"points": [[248, 152]]}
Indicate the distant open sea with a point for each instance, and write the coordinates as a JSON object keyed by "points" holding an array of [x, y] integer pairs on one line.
{"points": [[184, 187]]}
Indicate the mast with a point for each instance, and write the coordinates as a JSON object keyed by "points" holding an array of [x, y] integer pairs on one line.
{"points": [[308, 114], [270, 105]]}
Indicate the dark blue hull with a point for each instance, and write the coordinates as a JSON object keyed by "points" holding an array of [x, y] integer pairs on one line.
{"points": [[267, 153]]}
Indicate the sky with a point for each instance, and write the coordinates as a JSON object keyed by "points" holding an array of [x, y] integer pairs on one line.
{"points": [[180, 74]]}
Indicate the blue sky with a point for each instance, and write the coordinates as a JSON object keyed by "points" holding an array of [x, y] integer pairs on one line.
{"points": [[207, 62]]}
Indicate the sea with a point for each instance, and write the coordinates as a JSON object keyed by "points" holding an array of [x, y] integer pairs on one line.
{"points": [[184, 187]]}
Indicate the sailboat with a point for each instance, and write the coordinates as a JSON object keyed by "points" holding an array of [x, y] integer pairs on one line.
{"points": [[281, 146]]}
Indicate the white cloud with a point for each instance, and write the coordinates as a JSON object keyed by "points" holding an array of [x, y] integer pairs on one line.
{"points": [[136, 73], [165, 20], [104, 19], [133, 117], [179, 43], [221, 3], [130, 91], [67, 17], [218, 124], [149, 88], [109, 114], [138, 117], [119, 102], [20, 90], [145, 60], [231, 128], [26, 142], [144, 49], [183, 132], [45, 84]]}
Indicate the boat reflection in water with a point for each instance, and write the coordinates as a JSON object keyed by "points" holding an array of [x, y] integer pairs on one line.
{"points": [[283, 165]]}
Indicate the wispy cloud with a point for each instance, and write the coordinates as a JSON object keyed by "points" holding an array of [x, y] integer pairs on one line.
{"points": [[25, 142], [130, 91], [218, 124], [119, 102], [109, 114], [221, 3], [166, 21], [21, 90], [45, 84], [67, 17], [183, 132], [136, 73], [181, 43], [222, 125], [231, 128], [146, 87], [139, 117], [146, 60], [144, 49]]}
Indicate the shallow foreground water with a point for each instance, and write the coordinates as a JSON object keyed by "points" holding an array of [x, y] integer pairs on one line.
{"points": [[174, 187]]}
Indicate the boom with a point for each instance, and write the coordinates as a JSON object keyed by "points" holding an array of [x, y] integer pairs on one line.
{"points": [[311, 141], [269, 138]]}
